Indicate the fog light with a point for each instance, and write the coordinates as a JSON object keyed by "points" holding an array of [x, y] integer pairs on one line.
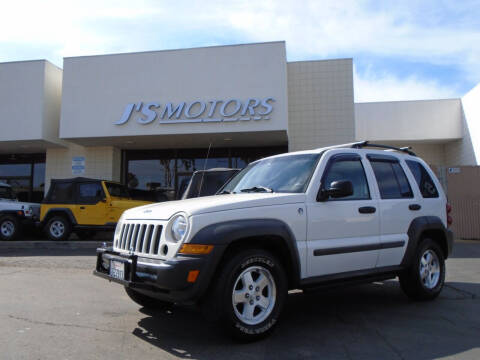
{"points": [[105, 263]]}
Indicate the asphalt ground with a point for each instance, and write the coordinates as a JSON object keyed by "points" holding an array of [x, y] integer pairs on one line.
{"points": [[52, 307]]}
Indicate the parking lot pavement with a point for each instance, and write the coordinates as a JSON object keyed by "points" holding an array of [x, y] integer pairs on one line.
{"points": [[52, 307]]}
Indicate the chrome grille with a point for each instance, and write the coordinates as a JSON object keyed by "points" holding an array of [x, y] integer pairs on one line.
{"points": [[142, 238]]}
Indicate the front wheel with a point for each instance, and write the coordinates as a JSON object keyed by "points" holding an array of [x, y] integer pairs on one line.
{"points": [[9, 228], [425, 278], [251, 292]]}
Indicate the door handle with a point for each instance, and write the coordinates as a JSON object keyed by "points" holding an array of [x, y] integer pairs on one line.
{"points": [[367, 210], [414, 207], [82, 207]]}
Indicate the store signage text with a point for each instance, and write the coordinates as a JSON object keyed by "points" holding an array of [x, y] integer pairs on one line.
{"points": [[230, 110]]}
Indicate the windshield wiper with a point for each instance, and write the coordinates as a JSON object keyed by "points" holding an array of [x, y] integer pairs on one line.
{"points": [[258, 188], [226, 192]]}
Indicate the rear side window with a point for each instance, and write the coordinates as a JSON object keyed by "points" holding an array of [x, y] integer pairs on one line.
{"points": [[391, 179], [62, 193], [424, 180]]}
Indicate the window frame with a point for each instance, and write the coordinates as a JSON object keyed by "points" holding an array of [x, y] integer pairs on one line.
{"points": [[92, 202], [418, 184], [372, 158], [343, 157]]}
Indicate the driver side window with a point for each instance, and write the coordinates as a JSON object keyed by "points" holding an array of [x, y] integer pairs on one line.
{"points": [[345, 167]]}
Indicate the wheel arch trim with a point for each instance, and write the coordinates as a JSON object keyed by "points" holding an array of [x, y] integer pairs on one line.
{"points": [[59, 211], [229, 232], [422, 226]]}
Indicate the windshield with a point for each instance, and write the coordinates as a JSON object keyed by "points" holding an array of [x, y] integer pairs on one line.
{"points": [[117, 190], [7, 193], [281, 174]]}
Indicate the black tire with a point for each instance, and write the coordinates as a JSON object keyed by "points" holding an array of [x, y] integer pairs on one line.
{"points": [[9, 228], [147, 301], [411, 281], [85, 234], [58, 228], [233, 317]]}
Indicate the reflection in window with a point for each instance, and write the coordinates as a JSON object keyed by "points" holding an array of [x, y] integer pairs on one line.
{"points": [[151, 174], [190, 165]]}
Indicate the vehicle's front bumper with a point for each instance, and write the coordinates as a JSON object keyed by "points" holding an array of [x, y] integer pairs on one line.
{"points": [[166, 280]]}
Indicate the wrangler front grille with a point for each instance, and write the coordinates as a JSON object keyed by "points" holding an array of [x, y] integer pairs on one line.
{"points": [[141, 238]]}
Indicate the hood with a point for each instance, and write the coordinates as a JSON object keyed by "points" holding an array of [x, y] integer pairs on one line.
{"points": [[208, 204], [20, 204], [127, 204]]}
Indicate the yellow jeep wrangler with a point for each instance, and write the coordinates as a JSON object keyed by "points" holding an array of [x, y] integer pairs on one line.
{"points": [[84, 206]]}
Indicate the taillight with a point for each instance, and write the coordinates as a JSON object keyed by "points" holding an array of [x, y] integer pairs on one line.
{"points": [[449, 217]]}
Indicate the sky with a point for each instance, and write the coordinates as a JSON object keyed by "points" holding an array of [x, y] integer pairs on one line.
{"points": [[401, 49]]}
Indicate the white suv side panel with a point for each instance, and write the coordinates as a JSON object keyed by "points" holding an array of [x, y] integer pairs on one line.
{"points": [[338, 226], [293, 215]]}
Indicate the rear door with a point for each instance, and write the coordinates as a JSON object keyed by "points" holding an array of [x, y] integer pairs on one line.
{"points": [[398, 206], [343, 233]]}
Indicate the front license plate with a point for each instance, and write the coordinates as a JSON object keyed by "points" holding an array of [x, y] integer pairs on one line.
{"points": [[117, 269]]}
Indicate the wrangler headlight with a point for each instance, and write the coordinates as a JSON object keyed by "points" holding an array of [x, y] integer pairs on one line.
{"points": [[179, 227]]}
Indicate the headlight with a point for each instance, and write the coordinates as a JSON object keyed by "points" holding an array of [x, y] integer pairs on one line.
{"points": [[179, 227]]}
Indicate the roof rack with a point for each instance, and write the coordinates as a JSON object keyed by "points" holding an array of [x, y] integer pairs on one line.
{"points": [[363, 144]]}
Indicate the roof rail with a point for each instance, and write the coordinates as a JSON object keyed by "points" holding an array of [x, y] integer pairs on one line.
{"points": [[363, 144]]}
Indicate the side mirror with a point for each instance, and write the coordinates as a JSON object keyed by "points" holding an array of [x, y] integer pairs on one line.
{"points": [[337, 189]]}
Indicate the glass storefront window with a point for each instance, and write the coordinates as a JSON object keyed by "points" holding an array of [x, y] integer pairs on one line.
{"points": [[25, 173], [150, 174], [161, 175], [191, 165]]}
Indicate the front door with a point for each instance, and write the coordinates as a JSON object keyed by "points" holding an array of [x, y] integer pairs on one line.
{"points": [[343, 233], [91, 208]]}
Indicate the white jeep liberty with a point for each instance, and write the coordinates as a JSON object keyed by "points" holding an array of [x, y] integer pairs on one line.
{"points": [[310, 219]]}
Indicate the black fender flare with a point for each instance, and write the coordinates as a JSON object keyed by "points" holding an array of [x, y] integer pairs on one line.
{"points": [[64, 211], [225, 233], [416, 230]]}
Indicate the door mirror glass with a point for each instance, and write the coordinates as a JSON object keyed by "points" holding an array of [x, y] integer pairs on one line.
{"points": [[336, 189]]}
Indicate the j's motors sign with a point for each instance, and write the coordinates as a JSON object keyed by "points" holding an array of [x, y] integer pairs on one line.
{"points": [[230, 110]]}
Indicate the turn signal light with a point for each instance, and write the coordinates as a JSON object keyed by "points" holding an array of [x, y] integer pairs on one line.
{"points": [[195, 249]]}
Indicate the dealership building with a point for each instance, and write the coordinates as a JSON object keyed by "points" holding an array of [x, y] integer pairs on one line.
{"points": [[150, 119]]}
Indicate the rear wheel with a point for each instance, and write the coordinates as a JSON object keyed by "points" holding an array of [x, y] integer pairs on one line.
{"points": [[9, 228], [147, 301], [425, 278], [58, 228], [250, 294]]}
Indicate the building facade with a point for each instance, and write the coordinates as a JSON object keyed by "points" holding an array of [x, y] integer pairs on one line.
{"points": [[150, 119]]}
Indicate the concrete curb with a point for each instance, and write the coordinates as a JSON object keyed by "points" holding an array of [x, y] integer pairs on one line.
{"points": [[54, 245]]}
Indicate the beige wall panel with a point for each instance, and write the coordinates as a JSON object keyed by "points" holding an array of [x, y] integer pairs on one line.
{"points": [[320, 103]]}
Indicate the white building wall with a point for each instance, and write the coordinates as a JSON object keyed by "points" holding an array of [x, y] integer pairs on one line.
{"points": [[467, 150], [320, 103], [52, 86], [97, 90], [423, 120], [21, 94]]}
